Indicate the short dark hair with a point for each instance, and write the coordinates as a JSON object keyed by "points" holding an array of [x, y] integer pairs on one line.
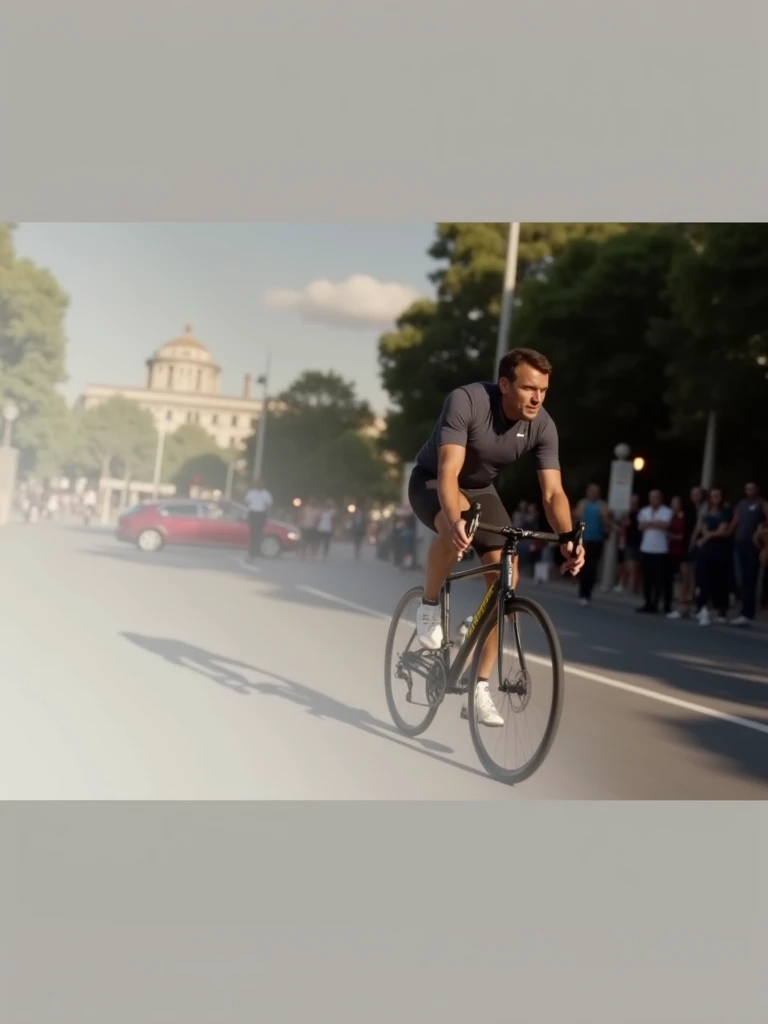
{"points": [[510, 362]]}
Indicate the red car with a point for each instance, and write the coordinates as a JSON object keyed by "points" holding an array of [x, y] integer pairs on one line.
{"points": [[153, 524]]}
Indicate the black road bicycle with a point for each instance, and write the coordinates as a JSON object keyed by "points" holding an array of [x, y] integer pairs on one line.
{"points": [[425, 677]]}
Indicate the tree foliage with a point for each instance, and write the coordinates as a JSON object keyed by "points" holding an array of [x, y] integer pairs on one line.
{"points": [[316, 443], [438, 345], [32, 356], [648, 328], [119, 437], [187, 442]]}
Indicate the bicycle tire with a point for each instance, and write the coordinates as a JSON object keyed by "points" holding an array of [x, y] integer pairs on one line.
{"points": [[513, 776], [401, 724]]}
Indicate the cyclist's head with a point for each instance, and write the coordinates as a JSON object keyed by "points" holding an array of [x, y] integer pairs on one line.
{"points": [[523, 380]]}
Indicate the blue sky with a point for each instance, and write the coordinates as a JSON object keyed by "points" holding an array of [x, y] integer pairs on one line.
{"points": [[132, 287]]}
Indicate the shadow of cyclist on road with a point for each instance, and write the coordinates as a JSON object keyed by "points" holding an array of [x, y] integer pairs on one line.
{"points": [[230, 673]]}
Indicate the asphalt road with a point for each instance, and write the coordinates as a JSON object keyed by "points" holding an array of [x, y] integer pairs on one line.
{"points": [[185, 675]]}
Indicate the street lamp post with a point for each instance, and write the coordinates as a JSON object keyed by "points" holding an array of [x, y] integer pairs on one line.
{"points": [[508, 295], [258, 458]]}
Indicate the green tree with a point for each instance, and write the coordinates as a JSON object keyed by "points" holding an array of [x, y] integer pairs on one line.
{"points": [[592, 317], [437, 345], [715, 343], [188, 442], [119, 437], [208, 469], [32, 356], [316, 443]]}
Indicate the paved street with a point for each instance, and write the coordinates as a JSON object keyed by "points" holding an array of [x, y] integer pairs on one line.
{"points": [[185, 675]]}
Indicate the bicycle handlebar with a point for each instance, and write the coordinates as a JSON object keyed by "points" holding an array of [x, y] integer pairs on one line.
{"points": [[514, 533]]}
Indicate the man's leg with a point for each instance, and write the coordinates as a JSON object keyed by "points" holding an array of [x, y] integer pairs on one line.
{"points": [[251, 535], [490, 650], [749, 562], [440, 558], [486, 711]]}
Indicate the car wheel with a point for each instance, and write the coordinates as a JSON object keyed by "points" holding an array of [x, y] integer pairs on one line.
{"points": [[150, 541], [271, 547]]}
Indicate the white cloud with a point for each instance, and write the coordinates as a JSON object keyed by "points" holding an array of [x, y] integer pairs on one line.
{"points": [[360, 301]]}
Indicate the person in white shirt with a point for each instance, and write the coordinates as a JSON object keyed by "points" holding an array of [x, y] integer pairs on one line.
{"points": [[654, 521], [258, 502], [325, 527]]}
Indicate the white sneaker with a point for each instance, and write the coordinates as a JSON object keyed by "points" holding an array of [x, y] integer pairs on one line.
{"points": [[705, 619], [741, 620], [429, 626], [584, 602], [674, 615], [485, 709]]}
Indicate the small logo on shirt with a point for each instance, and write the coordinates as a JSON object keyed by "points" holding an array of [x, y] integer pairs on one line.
{"points": [[521, 435]]}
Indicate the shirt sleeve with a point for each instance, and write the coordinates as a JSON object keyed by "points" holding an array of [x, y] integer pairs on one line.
{"points": [[547, 449], [456, 419]]}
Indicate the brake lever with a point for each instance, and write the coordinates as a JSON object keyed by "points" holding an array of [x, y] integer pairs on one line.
{"points": [[472, 525]]}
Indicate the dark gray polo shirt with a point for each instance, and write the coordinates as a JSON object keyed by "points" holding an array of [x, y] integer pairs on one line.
{"points": [[473, 417], [751, 514]]}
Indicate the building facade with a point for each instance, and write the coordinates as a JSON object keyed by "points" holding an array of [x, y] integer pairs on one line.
{"points": [[183, 385]]}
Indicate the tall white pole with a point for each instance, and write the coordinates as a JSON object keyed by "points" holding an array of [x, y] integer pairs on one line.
{"points": [[508, 296], [710, 447], [258, 460]]}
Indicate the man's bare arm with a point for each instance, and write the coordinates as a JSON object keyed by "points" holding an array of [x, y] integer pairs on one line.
{"points": [[557, 508], [450, 461]]}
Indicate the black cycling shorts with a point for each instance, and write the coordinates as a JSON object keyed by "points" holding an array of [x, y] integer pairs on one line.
{"points": [[424, 500]]}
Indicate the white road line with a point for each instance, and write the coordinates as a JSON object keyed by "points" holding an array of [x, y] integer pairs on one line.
{"points": [[340, 600], [593, 677]]}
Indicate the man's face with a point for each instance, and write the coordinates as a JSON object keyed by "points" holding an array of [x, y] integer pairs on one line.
{"points": [[655, 499], [524, 395], [751, 491], [593, 492], [697, 495]]}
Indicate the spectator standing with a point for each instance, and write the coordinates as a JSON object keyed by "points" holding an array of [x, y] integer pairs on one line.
{"points": [[654, 521], [310, 519], [713, 558], [629, 545], [749, 516], [325, 526], [678, 548], [593, 512], [258, 501], [357, 530]]}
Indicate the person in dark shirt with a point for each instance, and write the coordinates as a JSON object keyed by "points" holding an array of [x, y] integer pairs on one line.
{"points": [[713, 558], [484, 427], [749, 515]]}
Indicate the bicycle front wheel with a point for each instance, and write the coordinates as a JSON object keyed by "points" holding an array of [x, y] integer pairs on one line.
{"points": [[413, 678], [513, 734]]}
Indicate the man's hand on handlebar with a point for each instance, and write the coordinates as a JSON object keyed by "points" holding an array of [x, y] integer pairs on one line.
{"points": [[459, 537], [574, 560]]}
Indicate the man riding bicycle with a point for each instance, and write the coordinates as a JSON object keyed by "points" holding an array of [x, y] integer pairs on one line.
{"points": [[484, 427]]}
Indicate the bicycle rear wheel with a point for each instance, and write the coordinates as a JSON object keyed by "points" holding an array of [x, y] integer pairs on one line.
{"points": [[527, 690], [413, 678]]}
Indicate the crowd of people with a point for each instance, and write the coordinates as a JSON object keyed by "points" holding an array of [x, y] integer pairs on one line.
{"points": [[699, 556]]}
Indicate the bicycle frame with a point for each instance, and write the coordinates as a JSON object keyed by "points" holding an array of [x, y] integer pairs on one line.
{"points": [[498, 598], [490, 602]]}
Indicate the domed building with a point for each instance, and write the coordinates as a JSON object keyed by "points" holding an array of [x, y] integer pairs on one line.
{"points": [[183, 385]]}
